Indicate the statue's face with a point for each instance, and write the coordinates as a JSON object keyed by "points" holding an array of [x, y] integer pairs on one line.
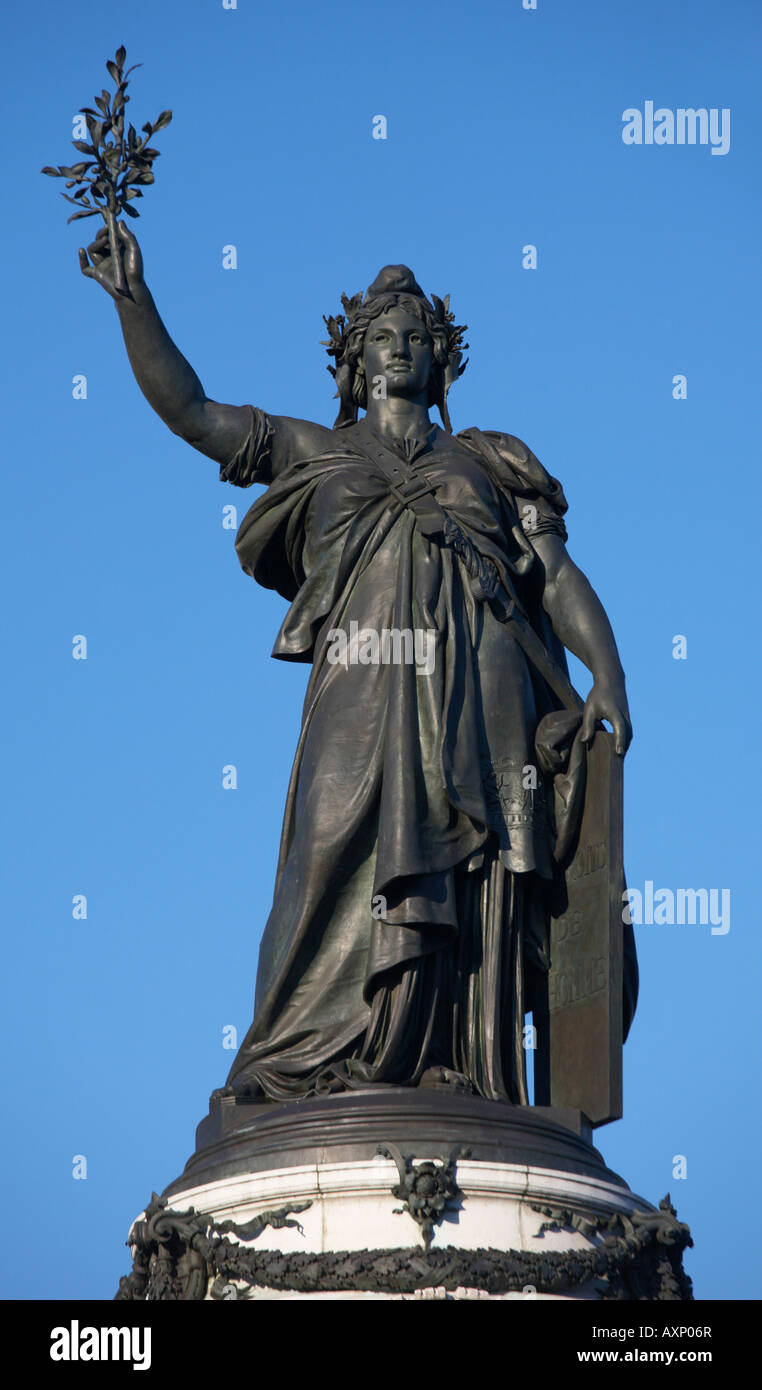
{"points": [[398, 348]]}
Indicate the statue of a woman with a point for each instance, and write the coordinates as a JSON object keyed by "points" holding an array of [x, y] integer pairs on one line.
{"points": [[409, 928]]}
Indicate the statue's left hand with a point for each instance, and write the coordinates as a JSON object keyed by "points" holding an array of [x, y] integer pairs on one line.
{"points": [[607, 700]]}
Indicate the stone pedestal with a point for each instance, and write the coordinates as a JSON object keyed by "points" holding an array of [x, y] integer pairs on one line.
{"points": [[401, 1193]]}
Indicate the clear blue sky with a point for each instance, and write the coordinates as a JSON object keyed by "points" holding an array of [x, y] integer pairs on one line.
{"points": [[504, 129]]}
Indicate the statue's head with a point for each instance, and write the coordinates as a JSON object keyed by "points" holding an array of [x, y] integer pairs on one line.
{"points": [[394, 289]]}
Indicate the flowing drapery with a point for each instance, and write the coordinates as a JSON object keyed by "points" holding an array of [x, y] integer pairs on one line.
{"points": [[412, 884]]}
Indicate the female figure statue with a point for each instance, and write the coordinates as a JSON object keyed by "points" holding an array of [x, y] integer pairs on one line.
{"points": [[409, 929]]}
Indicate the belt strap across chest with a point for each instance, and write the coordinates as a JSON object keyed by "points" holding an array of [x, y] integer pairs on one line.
{"points": [[410, 486]]}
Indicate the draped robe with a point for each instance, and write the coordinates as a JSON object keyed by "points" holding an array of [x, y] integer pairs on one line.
{"points": [[411, 898]]}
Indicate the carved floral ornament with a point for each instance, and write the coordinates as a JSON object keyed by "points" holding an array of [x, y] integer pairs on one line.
{"points": [[188, 1256]]}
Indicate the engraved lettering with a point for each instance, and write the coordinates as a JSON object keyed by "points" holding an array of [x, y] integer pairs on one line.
{"points": [[589, 859], [576, 982]]}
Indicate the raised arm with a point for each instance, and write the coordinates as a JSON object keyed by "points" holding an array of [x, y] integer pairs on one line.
{"points": [[580, 622], [166, 379]]}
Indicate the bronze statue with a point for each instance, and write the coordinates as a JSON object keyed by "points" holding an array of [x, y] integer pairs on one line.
{"points": [[439, 775]]}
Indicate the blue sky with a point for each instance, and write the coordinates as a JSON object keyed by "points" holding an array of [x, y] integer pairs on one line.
{"points": [[504, 129]]}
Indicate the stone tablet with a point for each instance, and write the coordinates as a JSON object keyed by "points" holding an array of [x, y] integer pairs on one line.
{"points": [[584, 1025]]}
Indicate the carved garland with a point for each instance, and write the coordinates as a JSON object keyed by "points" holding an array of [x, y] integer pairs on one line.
{"points": [[184, 1255]]}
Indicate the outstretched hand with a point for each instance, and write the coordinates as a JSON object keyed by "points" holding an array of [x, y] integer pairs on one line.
{"points": [[100, 265], [607, 701]]}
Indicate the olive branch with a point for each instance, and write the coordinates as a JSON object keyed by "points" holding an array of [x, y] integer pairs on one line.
{"points": [[110, 181]]}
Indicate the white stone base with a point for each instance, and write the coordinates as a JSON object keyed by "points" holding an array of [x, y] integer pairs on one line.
{"points": [[353, 1209], [441, 1295]]}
